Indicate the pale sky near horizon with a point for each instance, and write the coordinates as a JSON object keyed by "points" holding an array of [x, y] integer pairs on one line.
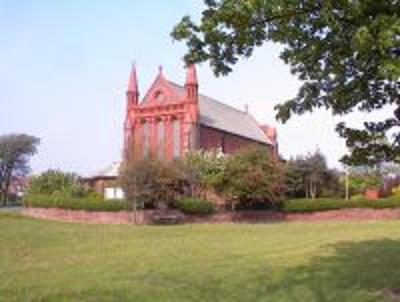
{"points": [[64, 67]]}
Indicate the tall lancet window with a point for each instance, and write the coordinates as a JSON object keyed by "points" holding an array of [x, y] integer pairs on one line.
{"points": [[177, 137], [145, 127], [161, 138]]}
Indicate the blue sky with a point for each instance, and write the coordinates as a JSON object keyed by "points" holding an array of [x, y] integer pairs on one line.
{"points": [[64, 67]]}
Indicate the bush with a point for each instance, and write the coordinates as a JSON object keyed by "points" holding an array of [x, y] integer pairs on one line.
{"points": [[194, 205], [257, 205], [360, 181], [323, 204], [310, 176], [357, 197], [153, 181], [71, 203], [58, 183], [206, 167], [396, 191], [252, 175]]}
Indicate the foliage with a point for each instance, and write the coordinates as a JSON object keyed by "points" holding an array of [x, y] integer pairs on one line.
{"points": [[346, 53], [309, 176], [252, 175], [324, 204], [74, 203], [362, 180], [192, 205], [206, 167], [57, 182], [295, 173], [15, 151], [333, 184], [357, 197], [153, 181], [396, 191]]}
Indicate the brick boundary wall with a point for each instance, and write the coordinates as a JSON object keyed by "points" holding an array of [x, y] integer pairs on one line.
{"points": [[122, 217], [145, 217]]}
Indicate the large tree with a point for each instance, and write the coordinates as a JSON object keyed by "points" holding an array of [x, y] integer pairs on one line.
{"points": [[15, 151], [309, 176], [345, 52]]}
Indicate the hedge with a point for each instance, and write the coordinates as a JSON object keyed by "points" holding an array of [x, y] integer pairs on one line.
{"points": [[191, 205], [199, 206], [73, 203], [325, 204]]}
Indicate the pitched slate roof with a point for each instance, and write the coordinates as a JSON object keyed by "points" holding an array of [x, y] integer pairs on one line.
{"points": [[223, 117], [110, 171]]}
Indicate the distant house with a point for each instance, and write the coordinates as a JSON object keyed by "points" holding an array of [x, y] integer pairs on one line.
{"points": [[105, 182], [171, 120], [17, 187]]}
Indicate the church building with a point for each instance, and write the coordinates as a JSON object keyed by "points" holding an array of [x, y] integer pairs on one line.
{"points": [[172, 119]]}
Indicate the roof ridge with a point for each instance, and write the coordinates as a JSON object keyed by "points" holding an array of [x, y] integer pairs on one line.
{"points": [[250, 129], [213, 99], [176, 84], [225, 105]]}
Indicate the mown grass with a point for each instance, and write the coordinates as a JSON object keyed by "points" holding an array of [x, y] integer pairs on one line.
{"points": [[330, 261]]}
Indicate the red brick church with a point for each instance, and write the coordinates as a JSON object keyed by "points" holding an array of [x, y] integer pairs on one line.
{"points": [[172, 119]]}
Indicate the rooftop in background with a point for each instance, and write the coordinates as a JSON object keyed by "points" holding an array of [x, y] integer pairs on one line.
{"points": [[112, 171]]}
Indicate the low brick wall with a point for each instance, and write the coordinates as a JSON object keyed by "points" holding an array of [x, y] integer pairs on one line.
{"points": [[142, 217], [145, 217], [271, 216]]}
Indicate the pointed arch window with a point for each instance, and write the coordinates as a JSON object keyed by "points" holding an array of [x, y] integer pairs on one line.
{"points": [[177, 137], [145, 127], [161, 138]]}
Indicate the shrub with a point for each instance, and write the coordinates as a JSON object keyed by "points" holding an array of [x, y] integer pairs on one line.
{"points": [[310, 176], [359, 181], [191, 205], [323, 204], [206, 168], [257, 205], [396, 191], [58, 183], [64, 202], [252, 175], [153, 181], [357, 197]]}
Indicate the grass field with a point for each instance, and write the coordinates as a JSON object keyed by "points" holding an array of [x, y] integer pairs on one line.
{"points": [[331, 261]]}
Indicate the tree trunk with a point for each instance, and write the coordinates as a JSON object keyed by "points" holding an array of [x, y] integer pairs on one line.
{"points": [[306, 187], [3, 198], [134, 204], [313, 187], [347, 185], [134, 211]]}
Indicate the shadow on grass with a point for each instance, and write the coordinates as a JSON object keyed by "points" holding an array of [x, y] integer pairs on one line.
{"points": [[362, 271]]}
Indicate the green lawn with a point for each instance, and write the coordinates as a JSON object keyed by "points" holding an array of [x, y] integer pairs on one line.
{"points": [[331, 261]]}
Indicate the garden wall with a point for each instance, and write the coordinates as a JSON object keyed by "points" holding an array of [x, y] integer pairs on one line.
{"points": [[145, 217], [142, 217]]}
